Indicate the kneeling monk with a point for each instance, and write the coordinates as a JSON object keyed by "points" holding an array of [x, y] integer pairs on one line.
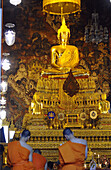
{"points": [[73, 153], [39, 161], [20, 153]]}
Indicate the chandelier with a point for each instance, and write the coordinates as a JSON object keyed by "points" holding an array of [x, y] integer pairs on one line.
{"points": [[95, 33], [15, 2], [10, 34]]}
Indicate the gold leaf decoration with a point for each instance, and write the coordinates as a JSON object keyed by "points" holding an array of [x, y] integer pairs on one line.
{"points": [[71, 86]]}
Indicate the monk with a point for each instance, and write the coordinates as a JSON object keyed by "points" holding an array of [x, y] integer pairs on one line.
{"points": [[20, 153], [39, 161], [73, 153]]}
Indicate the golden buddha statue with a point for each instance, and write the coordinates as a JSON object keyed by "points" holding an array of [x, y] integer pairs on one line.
{"points": [[104, 105], [36, 104], [27, 117], [64, 57], [90, 153]]}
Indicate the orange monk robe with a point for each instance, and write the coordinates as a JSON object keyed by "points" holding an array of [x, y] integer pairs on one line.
{"points": [[39, 161], [72, 155], [18, 157]]}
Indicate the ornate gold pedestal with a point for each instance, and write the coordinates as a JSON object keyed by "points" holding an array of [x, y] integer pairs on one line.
{"points": [[74, 112], [48, 141]]}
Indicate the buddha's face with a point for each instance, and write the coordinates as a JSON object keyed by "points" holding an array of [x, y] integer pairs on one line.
{"points": [[64, 37]]}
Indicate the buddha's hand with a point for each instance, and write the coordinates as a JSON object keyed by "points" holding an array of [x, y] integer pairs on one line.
{"points": [[61, 68], [64, 69]]}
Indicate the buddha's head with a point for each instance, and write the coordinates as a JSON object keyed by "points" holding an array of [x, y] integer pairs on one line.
{"points": [[63, 33], [103, 96]]}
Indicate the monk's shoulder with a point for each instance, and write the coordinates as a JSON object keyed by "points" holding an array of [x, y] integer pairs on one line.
{"points": [[12, 143], [28, 147], [25, 145], [83, 141], [62, 145]]}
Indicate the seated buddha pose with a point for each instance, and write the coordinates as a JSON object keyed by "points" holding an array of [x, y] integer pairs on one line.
{"points": [[104, 105], [64, 57], [36, 104], [27, 117]]}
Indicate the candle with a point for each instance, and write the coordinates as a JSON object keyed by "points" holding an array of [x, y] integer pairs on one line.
{"points": [[100, 166], [85, 166]]}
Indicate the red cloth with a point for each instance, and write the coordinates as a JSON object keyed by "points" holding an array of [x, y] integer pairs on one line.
{"points": [[39, 161], [72, 155], [18, 157]]}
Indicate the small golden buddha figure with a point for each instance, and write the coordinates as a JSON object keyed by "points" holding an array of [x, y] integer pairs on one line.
{"points": [[104, 105], [90, 153], [64, 57], [36, 104], [27, 117]]}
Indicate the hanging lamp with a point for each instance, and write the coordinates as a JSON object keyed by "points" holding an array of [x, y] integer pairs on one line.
{"points": [[15, 2], [5, 61], [2, 114], [10, 34]]}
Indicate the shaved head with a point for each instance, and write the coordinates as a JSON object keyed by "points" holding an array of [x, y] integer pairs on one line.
{"points": [[67, 131], [37, 151], [25, 133]]}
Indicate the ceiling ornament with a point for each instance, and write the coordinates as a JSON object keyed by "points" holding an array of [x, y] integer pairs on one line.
{"points": [[58, 7]]}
